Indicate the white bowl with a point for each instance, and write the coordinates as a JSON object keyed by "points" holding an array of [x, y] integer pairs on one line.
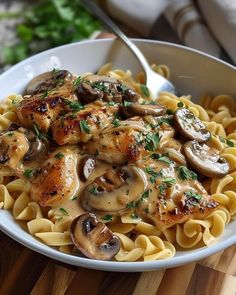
{"points": [[192, 72]]}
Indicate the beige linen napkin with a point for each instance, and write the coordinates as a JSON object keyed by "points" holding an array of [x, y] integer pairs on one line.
{"points": [[209, 29]]}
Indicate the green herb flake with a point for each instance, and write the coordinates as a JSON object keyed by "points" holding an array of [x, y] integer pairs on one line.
{"points": [[151, 141], [73, 198], [75, 105], [84, 127], [229, 143], [28, 173], [100, 86], [185, 173], [116, 122], [77, 81], [153, 173], [107, 217], [10, 134], [164, 158], [64, 212], [127, 103], [54, 71], [146, 194], [144, 90], [169, 112], [192, 194], [59, 155], [131, 205], [169, 181], [93, 190], [180, 104], [134, 216]]}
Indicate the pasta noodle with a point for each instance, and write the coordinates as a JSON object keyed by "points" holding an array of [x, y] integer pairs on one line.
{"points": [[141, 239]]}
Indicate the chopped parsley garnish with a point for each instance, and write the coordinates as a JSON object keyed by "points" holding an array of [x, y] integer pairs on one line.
{"points": [[127, 103], [10, 134], [116, 122], [164, 158], [77, 81], [14, 101], [227, 141], [123, 87], [45, 93], [153, 173], [75, 105], [29, 173], [93, 190], [73, 198], [38, 133], [59, 155], [146, 194], [64, 212], [144, 90], [54, 71], [84, 127], [180, 104], [131, 205], [166, 120], [169, 112], [192, 194], [185, 173], [107, 218], [111, 103], [151, 141], [134, 216], [100, 86], [169, 181]]}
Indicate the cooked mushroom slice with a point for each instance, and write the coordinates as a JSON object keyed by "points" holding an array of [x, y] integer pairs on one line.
{"points": [[205, 160], [190, 126], [86, 167], [93, 238], [133, 109], [46, 81], [102, 87], [36, 146], [115, 189]]}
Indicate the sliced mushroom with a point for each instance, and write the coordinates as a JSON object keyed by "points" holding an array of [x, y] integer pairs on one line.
{"points": [[115, 189], [205, 160], [36, 146], [103, 87], [133, 109], [86, 167], [46, 81], [93, 238], [190, 126]]}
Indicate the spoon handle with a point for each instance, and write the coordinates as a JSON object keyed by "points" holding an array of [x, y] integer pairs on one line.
{"points": [[98, 12]]}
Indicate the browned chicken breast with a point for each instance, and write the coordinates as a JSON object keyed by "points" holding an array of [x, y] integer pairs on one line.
{"points": [[58, 179], [44, 108], [13, 147], [82, 126]]}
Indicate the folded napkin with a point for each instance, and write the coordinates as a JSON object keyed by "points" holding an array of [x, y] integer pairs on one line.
{"points": [[205, 25]]}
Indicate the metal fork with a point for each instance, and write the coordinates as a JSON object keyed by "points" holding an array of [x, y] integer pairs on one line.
{"points": [[155, 82]]}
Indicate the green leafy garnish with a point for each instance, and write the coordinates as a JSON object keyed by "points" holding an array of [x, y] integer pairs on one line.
{"points": [[192, 194], [116, 122], [10, 134], [146, 194], [73, 198], [75, 105], [134, 216], [39, 134], [64, 212], [107, 217], [153, 173], [144, 90], [84, 127], [100, 86], [131, 205], [169, 181], [29, 173], [164, 158], [59, 155], [185, 173], [93, 190], [127, 103], [227, 141], [180, 104], [151, 141], [77, 81]]}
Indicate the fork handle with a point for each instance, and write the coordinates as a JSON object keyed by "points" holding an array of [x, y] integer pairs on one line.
{"points": [[98, 12]]}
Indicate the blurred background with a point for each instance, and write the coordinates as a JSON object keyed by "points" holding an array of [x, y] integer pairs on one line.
{"points": [[28, 27]]}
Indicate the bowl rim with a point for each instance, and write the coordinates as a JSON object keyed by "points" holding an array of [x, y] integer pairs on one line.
{"points": [[39, 247]]}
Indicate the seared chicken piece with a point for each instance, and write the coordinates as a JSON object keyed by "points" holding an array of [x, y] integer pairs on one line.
{"points": [[13, 147], [58, 179], [82, 126], [42, 110], [119, 146]]}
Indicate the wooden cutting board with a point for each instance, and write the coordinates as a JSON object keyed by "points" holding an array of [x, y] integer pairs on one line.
{"points": [[24, 272]]}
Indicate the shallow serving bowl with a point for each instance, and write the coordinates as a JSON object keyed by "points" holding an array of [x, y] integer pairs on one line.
{"points": [[192, 73]]}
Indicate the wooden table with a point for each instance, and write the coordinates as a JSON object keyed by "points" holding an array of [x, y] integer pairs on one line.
{"points": [[23, 271], [26, 272]]}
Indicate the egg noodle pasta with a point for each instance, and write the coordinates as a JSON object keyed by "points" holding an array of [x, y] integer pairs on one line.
{"points": [[173, 204]]}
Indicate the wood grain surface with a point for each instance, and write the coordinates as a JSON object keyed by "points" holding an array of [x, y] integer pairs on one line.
{"points": [[24, 272]]}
